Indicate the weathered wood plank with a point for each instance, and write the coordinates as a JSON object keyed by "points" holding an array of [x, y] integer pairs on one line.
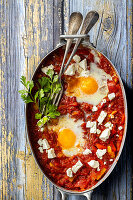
{"points": [[28, 30]]}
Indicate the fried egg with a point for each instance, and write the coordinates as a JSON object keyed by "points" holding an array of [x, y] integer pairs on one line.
{"points": [[70, 135], [88, 86]]}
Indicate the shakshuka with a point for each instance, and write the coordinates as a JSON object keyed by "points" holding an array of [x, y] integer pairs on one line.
{"points": [[76, 149]]}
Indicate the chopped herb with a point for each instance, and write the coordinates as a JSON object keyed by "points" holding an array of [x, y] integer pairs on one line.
{"points": [[47, 88]]}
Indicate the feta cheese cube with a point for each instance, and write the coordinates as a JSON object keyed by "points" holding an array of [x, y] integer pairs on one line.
{"points": [[111, 96], [77, 166], [93, 164], [83, 64], [120, 128], [89, 124], [105, 163], [109, 125], [69, 172], [94, 109], [111, 116], [87, 152], [93, 128], [51, 153], [100, 153], [101, 117], [98, 169], [45, 69], [105, 134], [96, 59], [76, 58], [40, 149], [70, 70], [103, 101], [98, 131], [117, 135], [40, 142], [41, 129], [111, 160], [45, 144]]}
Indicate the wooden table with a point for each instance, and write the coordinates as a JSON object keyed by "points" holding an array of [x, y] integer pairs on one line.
{"points": [[29, 29]]}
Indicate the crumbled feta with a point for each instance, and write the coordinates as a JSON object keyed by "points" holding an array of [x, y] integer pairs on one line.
{"points": [[117, 135], [69, 172], [103, 101], [111, 160], [101, 117], [105, 163], [100, 153], [109, 125], [40, 149], [93, 128], [94, 109], [96, 59], [98, 131], [83, 64], [51, 153], [89, 124], [98, 169], [111, 116], [45, 144], [45, 69], [77, 166], [120, 128], [93, 164], [40, 142], [70, 70], [76, 58], [86, 152], [105, 134], [41, 129], [111, 96]]}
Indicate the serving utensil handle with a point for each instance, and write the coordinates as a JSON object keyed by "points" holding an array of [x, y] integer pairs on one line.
{"points": [[86, 194]]}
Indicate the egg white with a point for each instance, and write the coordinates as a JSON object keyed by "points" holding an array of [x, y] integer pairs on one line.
{"points": [[65, 122], [101, 78]]}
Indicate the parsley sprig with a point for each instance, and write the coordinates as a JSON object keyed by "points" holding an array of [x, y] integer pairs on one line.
{"points": [[47, 88]]}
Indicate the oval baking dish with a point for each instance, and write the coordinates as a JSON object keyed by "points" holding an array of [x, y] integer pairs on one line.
{"points": [[34, 133]]}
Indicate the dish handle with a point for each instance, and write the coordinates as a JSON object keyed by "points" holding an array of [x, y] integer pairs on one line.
{"points": [[86, 194]]}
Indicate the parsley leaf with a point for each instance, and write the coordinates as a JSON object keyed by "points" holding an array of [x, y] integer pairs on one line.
{"points": [[47, 88], [38, 116], [50, 73], [26, 98]]}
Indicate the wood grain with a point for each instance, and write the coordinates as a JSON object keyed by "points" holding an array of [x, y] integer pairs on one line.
{"points": [[29, 29]]}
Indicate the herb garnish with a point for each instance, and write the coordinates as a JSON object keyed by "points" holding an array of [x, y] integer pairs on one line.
{"points": [[47, 88]]}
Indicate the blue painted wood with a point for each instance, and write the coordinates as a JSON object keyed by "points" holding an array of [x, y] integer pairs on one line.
{"points": [[29, 29]]}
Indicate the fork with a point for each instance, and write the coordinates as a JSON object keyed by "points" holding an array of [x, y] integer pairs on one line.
{"points": [[75, 21]]}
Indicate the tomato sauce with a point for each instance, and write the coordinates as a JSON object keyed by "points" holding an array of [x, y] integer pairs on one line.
{"points": [[55, 169]]}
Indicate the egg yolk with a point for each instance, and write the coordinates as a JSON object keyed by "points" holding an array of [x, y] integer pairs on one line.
{"points": [[88, 85], [66, 138]]}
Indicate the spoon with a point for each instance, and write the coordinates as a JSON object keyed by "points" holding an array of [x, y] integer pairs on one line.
{"points": [[75, 21], [89, 21]]}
